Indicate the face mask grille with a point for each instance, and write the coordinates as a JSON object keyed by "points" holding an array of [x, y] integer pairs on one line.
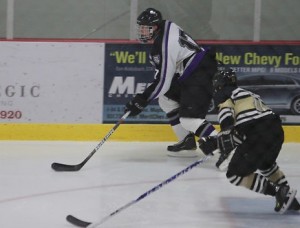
{"points": [[144, 33]]}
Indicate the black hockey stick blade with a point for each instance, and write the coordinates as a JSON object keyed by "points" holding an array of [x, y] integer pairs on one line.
{"points": [[77, 222], [63, 167], [71, 168]]}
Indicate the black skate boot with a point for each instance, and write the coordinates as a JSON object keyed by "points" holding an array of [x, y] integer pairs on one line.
{"points": [[284, 198], [185, 148]]}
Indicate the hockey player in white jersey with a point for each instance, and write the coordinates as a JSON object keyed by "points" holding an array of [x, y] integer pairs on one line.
{"points": [[180, 61], [256, 133], [169, 103]]}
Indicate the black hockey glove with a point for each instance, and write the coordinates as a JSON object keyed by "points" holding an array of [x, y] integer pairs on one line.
{"points": [[208, 144], [226, 141], [136, 105]]}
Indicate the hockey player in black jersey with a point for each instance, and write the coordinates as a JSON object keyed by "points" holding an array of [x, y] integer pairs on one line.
{"points": [[256, 133], [178, 60]]}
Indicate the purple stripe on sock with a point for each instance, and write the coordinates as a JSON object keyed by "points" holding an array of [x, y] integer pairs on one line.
{"points": [[207, 131]]}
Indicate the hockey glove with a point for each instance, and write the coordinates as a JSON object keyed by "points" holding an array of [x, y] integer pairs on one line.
{"points": [[208, 144], [226, 141], [136, 105]]}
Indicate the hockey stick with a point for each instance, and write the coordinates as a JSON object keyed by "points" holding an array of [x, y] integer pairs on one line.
{"points": [[65, 167], [80, 223]]}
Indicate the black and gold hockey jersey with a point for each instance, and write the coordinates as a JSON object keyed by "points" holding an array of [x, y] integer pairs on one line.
{"points": [[243, 107]]}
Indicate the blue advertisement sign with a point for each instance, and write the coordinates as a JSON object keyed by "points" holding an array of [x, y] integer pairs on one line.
{"points": [[128, 72], [272, 71], [252, 59]]}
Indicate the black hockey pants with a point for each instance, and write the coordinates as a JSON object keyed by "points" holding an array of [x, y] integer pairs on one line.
{"points": [[264, 139]]}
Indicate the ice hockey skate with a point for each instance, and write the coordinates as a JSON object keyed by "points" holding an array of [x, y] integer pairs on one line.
{"points": [[185, 148], [284, 198]]}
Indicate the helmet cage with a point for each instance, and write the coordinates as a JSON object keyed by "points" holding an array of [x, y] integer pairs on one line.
{"points": [[147, 23], [223, 79], [145, 33]]}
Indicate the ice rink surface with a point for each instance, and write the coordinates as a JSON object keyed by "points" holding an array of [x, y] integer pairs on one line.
{"points": [[32, 195]]}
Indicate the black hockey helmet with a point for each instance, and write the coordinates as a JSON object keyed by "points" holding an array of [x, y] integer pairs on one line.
{"points": [[223, 79], [146, 22]]}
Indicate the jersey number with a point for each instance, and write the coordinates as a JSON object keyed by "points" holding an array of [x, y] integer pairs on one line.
{"points": [[259, 104], [186, 41]]}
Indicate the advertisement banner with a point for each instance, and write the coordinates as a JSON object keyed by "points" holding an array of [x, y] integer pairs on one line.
{"points": [[51, 82], [90, 82], [271, 71], [128, 71]]}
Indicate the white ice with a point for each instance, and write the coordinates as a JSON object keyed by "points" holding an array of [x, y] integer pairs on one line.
{"points": [[32, 195]]}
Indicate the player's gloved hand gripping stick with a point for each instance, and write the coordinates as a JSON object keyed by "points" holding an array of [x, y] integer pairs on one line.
{"points": [[65, 167]]}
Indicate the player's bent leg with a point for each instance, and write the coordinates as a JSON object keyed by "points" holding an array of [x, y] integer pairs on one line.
{"points": [[275, 175], [186, 145], [256, 182]]}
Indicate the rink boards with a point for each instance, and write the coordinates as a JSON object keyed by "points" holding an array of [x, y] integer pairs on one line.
{"points": [[76, 90], [96, 132]]}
